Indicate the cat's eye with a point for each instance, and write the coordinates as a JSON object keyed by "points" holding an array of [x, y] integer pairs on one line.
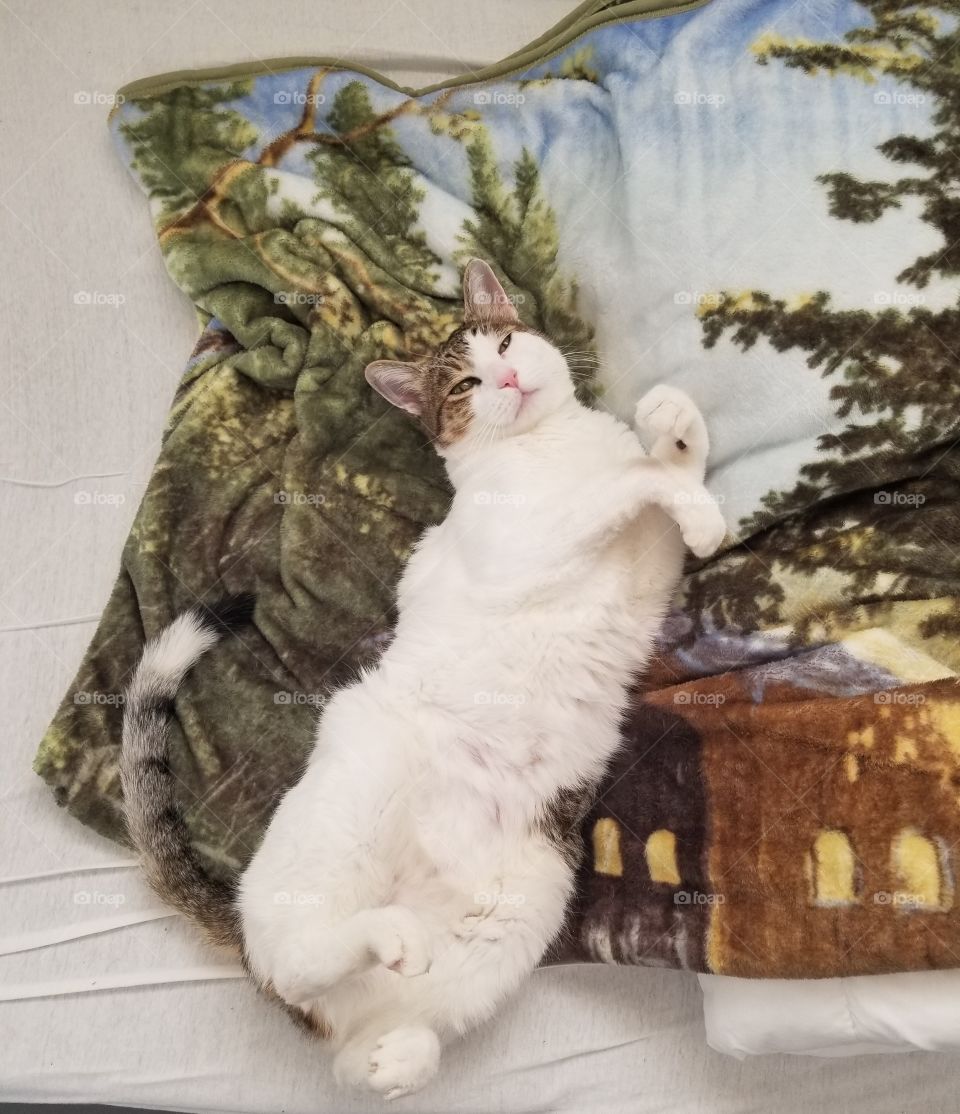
{"points": [[465, 385], [505, 343]]}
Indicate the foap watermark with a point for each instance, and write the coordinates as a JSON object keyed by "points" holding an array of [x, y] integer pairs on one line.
{"points": [[499, 699], [898, 97], [899, 899], [297, 96], [499, 499], [896, 696], [98, 298], [905, 298], [299, 498], [91, 697], [99, 498], [313, 699], [698, 98], [298, 298], [714, 699], [498, 96], [485, 298], [482, 897], [697, 897], [98, 99], [298, 897], [698, 299], [98, 897], [899, 498], [694, 498]]}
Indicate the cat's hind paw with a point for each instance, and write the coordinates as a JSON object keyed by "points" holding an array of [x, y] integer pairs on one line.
{"points": [[403, 1061]]}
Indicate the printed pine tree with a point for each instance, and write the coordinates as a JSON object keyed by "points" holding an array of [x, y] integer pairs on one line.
{"points": [[183, 139], [382, 272], [370, 180], [894, 371], [368, 177], [516, 231]]}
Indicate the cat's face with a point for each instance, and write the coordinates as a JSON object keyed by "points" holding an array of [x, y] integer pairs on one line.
{"points": [[492, 378]]}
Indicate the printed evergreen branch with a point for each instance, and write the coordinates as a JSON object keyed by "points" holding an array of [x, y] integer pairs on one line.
{"points": [[894, 371], [910, 44]]}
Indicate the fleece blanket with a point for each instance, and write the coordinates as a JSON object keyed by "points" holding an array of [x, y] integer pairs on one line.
{"points": [[755, 200]]}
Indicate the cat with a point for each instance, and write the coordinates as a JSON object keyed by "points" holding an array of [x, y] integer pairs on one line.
{"points": [[418, 871]]}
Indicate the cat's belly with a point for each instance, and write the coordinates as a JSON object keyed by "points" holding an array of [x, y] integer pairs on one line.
{"points": [[600, 613], [495, 669]]}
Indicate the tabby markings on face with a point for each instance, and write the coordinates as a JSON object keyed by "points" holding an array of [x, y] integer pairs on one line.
{"points": [[448, 381]]}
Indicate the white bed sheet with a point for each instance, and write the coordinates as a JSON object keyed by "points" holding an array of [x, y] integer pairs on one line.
{"points": [[144, 1013]]}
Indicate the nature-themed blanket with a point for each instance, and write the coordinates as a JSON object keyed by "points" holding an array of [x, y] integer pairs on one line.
{"points": [[756, 200]]}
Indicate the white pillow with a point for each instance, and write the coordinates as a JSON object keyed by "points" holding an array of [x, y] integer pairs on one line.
{"points": [[832, 1017]]}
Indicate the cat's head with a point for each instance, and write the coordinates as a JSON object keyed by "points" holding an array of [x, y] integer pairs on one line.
{"points": [[492, 378]]}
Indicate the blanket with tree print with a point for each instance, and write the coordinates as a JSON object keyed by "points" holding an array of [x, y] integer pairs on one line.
{"points": [[757, 201]]}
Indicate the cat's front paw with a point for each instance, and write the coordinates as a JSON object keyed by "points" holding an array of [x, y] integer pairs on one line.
{"points": [[666, 412], [400, 940], [703, 528]]}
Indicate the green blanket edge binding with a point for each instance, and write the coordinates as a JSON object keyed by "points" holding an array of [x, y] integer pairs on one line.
{"points": [[585, 17]]}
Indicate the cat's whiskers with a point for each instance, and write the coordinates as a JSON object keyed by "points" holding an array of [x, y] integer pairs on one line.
{"points": [[486, 435], [581, 360], [586, 352]]}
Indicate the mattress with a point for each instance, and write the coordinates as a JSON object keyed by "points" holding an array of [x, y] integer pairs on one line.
{"points": [[104, 995]]}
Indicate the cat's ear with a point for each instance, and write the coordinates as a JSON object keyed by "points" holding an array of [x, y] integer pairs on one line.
{"points": [[398, 382], [484, 299]]}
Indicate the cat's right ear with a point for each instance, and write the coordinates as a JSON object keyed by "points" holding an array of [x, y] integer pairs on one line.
{"points": [[398, 382], [484, 299]]}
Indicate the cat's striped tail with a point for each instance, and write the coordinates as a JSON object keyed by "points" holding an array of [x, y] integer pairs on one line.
{"points": [[153, 818]]}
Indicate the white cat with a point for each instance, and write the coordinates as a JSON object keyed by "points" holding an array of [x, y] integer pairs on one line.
{"points": [[425, 854]]}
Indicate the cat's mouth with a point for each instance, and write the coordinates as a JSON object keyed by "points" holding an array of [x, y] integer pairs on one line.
{"points": [[513, 404], [524, 394]]}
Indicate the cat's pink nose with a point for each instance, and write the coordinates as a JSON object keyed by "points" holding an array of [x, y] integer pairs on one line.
{"points": [[508, 379]]}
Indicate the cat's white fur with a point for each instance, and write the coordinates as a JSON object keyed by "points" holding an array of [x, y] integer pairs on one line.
{"points": [[404, 887]]}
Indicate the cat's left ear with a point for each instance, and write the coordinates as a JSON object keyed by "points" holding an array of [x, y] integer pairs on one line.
{"points": [[398, 382], [484, 299]]}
